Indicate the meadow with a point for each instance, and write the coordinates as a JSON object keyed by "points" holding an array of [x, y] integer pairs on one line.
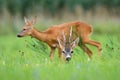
{"points": [[28, 59]]}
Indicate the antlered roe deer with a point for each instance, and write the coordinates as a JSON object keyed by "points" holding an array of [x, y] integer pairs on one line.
{"points": [[67, 45], [50, 36]]}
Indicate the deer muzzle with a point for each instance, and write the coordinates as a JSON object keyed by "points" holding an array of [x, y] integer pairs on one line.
{"points": [[68, 58], [19, 35]]}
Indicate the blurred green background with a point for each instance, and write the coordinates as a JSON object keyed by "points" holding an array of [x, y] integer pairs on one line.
{"points": [[99, 13], [28, 59]]}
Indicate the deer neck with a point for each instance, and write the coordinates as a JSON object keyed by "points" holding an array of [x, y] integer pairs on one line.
{"points": [[38, 35]]}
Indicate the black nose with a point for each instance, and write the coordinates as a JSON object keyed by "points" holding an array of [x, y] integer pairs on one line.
{"points": [[19, 35], [68, 58]]}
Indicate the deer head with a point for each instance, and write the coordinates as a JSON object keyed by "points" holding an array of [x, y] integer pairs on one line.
{"points": [[68, 46], [28, 28]]}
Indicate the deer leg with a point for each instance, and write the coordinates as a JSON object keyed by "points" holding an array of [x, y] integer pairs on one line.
{"points": [[86, 49], [95, 43], [52, 53], [59, 53]]}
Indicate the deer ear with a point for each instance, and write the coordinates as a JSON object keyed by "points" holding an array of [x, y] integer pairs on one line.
{"points": [[26, 20], [74, 43], [34, 20], [60, 43]]}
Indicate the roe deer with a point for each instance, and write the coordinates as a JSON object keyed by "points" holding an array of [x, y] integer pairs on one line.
{"points": [[80, 29], [67, 45]]}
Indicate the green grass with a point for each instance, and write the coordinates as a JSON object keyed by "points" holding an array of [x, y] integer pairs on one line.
{"points": [[25, 59]]}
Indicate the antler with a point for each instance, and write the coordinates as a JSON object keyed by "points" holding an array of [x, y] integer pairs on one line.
{"points": [[61, 43], [64, 37], [70, 37]]}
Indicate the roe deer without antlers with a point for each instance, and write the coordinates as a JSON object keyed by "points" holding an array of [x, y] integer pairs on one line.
{"points": [[80, 29]]}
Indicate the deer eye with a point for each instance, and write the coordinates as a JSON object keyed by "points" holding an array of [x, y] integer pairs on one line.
{"points": [[63, 51], [24, 29], [71, 51]]}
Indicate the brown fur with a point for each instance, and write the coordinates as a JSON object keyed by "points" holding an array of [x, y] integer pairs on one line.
{"points": [[80, 29]]}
